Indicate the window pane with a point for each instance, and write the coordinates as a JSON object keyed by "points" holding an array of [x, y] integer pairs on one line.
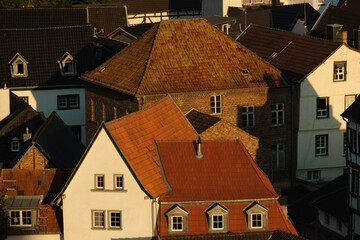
{"points": [[115, 219], [99, 219]]}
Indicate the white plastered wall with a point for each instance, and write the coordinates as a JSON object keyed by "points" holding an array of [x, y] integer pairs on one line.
{"points": [[46, 101], [333, 224], [80, 198], [320, 84]]}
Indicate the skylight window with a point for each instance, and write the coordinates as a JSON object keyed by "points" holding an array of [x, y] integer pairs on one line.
{"points": [[245, 71]]}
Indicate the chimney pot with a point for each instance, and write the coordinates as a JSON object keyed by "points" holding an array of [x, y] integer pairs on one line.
{"points": [[199, 154]]}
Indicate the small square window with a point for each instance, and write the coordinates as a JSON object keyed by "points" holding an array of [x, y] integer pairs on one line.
{"points": [[215, 104], [119, 181], [313, 175], [177, 223], [322, 107], [98, 218], [277, 114], [256, 220], [321, 145], [99, 181], [218, 222], [114, 219], [339, 71], [248, 117], [68, 102], [15, 145]]}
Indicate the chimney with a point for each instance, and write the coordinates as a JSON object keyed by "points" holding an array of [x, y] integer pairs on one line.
{"points": [[336, 33], [199, 154], [26, 135], [5, 102], [357, 38]]}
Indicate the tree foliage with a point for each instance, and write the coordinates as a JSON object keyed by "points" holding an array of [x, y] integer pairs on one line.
{"points": [[4, 219]]}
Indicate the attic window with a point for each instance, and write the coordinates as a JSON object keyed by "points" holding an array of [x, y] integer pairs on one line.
{"points": [[177, 220], [218, 217], [67, 65], [245, 71], [257, 216], [18, 66], [15, 145]]}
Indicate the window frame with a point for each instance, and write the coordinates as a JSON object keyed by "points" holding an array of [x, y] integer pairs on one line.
{"points": [[14, 66], [320, 111], [216, 104], [279, 121], [353, 141], [346, 105], [68, 99], [115, 181], [94, 110], [21, 217], [261, 221], [336, 73], [117, 112], [94, 220], [97, 187], [277, 153], [106, 112], [247, 113], [15, 145], [214, 221], [110, 226], [323, 144], [355, 187], [311, 173], [172, 223], [67, 59]]}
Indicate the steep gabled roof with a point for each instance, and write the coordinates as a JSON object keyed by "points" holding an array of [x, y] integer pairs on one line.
{"points": [[335, 15], [135, 134], [226, 172], [290, 50], [184, 55], [18, 182], [42, 48]]}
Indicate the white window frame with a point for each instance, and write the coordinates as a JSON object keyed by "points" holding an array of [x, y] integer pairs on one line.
{"points": [[181, 222], [349, 99], [261, 220], [67, 60], [217, 221], [279, 149], [321, 145], [110, 220], [245, 116], [339, 71], [71, 101], [320, 111], [116, 176], [277, 114], [14, 63], [15, 145], [215, 104], [97, 181], [95, 219], [21, 218]]}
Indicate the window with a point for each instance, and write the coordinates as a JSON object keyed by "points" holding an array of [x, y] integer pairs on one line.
{"points": [[18, 66], [256, 220], [99, 181], [349, 99], [114, 219], [218, 222], [247, 117], [94, 110], [352, 141], [279, 156], [21, 218], [321, 145], [67, 65], [339, 71], [215, 104], [25, 99], [313, 175], [345, 143], [355, 183], [15, 145], [322, 107], [277, 114], [176, 223], [68, 102], [117, 112], [225, 28], [98, 219], [118, 181], [106, 112]]}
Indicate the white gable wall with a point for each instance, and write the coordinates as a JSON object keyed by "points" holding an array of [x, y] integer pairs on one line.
{"points": [[81, 198], [320, 84], [314, 3]]}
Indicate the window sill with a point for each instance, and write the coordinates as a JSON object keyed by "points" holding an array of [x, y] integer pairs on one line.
{"points": [[60, 109], [327, 117], [108, 190], [98, 228], [277, 125], [325, 155]]}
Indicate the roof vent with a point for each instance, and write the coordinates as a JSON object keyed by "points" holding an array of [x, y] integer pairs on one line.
{"points": [[101, 69], [199, 154], [245, 71]]}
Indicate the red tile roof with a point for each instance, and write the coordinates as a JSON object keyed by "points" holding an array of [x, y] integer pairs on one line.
{"points": [[292, 49], [184, 55], [226, 172], [135, 135], [46, 182]]}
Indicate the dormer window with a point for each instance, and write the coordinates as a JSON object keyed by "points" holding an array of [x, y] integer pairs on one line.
{"points": [[256, 217], [177, 220], [18, 66], [15, 145], [218, 217], [67, 65]]}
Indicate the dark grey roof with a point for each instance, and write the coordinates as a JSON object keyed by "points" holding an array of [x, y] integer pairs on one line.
{"points": [[219, 20], [23, 201], [42, 48], [201, 121], [138, 30], [353, 112]]}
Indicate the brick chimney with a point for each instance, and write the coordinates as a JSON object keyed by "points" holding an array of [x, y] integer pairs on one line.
{"points": [[5, 102], [199, 154], [27, 135]]}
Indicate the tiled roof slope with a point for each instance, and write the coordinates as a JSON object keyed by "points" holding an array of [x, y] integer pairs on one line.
{"points": [[184, 55], [37, 182], [135, 134], [153, 6], [201, 121], [353, 112], [293, 49], [42, 48], [226, 172], [334, 15]]}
